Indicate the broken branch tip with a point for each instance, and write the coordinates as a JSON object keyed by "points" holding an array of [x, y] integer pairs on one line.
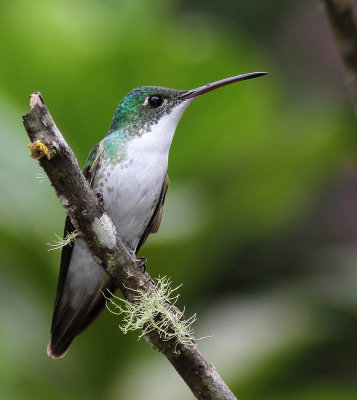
{"points": [[36, 99]]}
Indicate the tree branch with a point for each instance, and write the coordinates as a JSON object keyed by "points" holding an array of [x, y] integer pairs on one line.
{"points": [[340, 13], [97, 230]]}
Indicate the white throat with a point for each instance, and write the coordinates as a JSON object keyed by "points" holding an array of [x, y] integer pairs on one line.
{"points": [[159, 139]]}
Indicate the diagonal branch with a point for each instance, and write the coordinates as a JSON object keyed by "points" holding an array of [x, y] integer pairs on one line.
{"points": [[344, 26], [97, 230]]}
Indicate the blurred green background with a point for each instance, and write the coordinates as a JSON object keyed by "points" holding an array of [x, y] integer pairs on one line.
{"points": [[260, 222]]}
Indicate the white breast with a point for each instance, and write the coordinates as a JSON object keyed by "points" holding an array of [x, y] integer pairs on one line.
{"points": [[133, 187]]}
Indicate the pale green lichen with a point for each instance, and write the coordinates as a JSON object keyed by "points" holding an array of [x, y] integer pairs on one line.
{"points": [[61, 242], [151, 311], [104, 229]]}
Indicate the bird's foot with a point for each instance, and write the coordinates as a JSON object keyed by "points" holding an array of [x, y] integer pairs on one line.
{"points": [[141, 263], [100, 198]]}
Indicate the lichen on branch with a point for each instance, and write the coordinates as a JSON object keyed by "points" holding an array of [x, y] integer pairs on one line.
{"points": [[62, 241], [151, 311], [38, 150]]}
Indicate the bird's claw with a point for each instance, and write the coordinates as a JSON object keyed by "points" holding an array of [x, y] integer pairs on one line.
{"points": [[100, 198], [141, 263]]}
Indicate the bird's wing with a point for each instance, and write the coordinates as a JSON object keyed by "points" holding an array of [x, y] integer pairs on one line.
{"points": [[93, 162], [154, 223], [68, 320]]}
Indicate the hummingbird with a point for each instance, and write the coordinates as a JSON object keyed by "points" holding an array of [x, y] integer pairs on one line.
{"points": [[128, 172]]}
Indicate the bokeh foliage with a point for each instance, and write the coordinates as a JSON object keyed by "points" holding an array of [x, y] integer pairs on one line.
{"points": [[253, 225]]}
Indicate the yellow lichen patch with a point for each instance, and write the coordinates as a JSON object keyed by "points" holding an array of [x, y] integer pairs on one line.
{"points": [[38, 150]]}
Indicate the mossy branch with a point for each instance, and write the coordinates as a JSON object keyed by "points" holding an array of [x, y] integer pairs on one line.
{"points": [[150, 312], [96, 228]]}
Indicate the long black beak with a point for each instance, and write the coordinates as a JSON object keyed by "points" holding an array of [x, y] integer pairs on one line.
{"points": [[215, 85]]}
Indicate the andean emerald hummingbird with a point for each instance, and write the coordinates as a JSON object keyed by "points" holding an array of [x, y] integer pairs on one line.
{"points": [[128, 171]]}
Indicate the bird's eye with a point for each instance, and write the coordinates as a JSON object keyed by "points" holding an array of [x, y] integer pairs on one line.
{"points": [[155, 100]]}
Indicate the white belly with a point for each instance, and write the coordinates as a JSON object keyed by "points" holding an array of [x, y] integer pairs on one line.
{"points": [[131, 191]]}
